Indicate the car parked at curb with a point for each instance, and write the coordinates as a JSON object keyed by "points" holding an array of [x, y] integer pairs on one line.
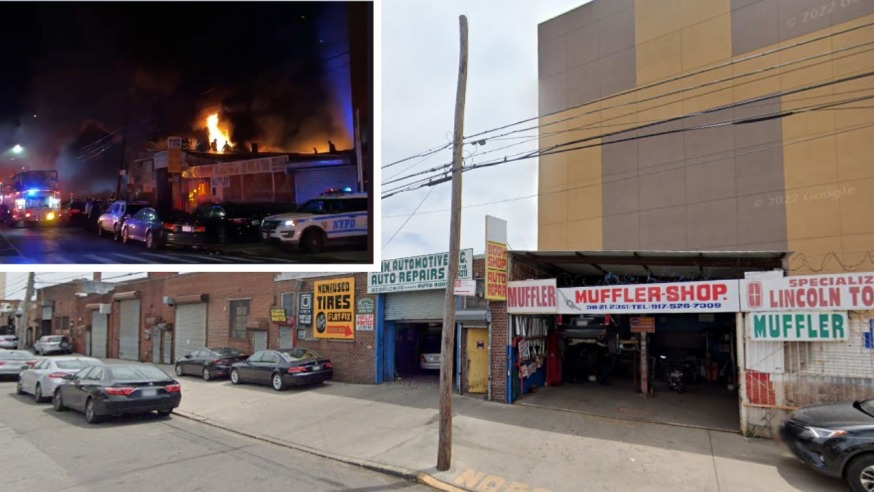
{"points": [[835, 439], [13, 362], [331, 218], [111, 390], [47, 374], [282, 368], [49, 344], [159, 228], [8, 342], [113, 218], [209, 363]]}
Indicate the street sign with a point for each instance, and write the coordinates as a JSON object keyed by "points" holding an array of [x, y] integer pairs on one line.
{"points": [[465, 287]]}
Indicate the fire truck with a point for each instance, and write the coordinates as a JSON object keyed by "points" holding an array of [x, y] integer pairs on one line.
{"points": [[31, 197]]}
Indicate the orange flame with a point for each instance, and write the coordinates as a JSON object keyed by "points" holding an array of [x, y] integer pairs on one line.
{"points": [[217, 134]]}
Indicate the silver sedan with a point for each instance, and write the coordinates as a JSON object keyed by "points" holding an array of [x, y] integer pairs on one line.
{"points": [[12, 362], [48, 373]]}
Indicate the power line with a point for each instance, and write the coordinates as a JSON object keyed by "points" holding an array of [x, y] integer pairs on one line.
{"points": [[408, 219]]}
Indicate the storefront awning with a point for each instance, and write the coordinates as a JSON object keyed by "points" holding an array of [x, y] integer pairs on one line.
{"points": [[123, 296], [473, 316]]}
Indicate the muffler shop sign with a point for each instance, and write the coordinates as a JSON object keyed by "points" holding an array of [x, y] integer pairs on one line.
{"points": [[838, 292], [531, 297], [720, 296], [797, 327]]}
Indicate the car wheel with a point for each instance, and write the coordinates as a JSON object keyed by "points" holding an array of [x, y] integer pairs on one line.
{"points": [[313, 241], [860, 473], [99, 230], [165, 413], [19, 390], [178, 370], [151, 242], [57, 401], [90, 415], [235, 376], [206, 374], [125, 235], [116, 232], [37, 394], [278, 385]]}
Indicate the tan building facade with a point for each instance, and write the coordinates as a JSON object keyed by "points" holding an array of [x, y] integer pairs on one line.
{"points": [[731, 125]]}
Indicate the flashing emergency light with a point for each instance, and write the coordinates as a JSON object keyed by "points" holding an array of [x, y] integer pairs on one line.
{"points": [[19, 203], [32, 192], [347, 190]]}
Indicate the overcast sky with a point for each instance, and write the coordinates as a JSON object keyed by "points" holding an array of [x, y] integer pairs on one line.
{"points": [[16, 282], [420, 48]]}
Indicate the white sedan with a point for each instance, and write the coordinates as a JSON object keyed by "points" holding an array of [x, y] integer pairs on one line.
{"points": [[48, 373]]}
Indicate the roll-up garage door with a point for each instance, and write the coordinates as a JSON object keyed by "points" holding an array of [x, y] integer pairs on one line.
{"points": [[129, 330], [311, 183], [415, 306], [98, 334], [190, 328]]}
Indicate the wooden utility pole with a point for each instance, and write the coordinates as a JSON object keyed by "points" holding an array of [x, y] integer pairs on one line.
{"points": [[24, 320], [444, 449]]}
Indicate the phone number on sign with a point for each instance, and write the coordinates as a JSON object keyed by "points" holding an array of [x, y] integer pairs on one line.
{"points": [[640, 307]]}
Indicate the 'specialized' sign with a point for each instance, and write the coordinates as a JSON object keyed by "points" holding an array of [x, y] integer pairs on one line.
{"points": [[838, 292], [418, 273], [719, 296], [334, 309], [798, 327]]}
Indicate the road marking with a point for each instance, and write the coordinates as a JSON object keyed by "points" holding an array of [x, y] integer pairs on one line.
{"points": [[271, 260], [203, 257], [167, 257], [98, 259], [131, 257], [471, 478], [245, 260]]}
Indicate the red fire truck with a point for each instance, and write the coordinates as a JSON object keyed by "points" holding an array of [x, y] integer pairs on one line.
{"points": [[31, 197]]}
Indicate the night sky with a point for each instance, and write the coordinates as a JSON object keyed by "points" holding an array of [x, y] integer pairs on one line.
{"points": [[74, 73]]}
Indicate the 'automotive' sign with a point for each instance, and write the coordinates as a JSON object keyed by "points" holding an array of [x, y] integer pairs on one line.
{"points": [[418, 273]]}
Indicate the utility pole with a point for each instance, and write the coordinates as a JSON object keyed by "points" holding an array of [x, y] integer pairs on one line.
{"points": [[124, 141], [25, 308], [444, 449]]}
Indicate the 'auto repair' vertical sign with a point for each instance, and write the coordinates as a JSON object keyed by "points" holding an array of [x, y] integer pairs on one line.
{"points": [[335, 308], [496, 259]]}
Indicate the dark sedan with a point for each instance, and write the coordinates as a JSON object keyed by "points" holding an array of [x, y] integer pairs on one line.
{"points": [[282, 368], [162, 228], [835, 439], [102, 391], [209, 363], [227, 222]]}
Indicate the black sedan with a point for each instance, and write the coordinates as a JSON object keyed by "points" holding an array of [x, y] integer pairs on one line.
{"points": [[835, 439], [229, 221], [282, 368], [209, 363], [161, 228], [101, 391]]}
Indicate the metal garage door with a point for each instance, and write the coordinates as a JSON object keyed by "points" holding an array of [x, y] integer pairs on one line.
{"points": [[156, 346], [285, 340], [88, 343], [190, 328], [312, 183], [415, 306], [98, 334], [129, 330], [259, 340]]}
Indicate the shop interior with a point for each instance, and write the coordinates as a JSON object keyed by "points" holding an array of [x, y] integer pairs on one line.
{"points": [[417, 350], [592, 363]]}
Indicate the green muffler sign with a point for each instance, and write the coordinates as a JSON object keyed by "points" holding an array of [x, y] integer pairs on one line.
{"points": [[798, 327]]}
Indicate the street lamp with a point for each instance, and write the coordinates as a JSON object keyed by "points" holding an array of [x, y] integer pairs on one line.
{"points": [[17, 149]]}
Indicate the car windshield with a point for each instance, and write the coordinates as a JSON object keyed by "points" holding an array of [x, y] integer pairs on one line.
{"points": [[133, 209], [137, 373], [73, 364], [227, 352], [866, 406], [299, 354], [316, 207]]}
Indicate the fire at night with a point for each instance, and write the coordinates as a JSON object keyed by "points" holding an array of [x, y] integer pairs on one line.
{"points": [[212, 143]]}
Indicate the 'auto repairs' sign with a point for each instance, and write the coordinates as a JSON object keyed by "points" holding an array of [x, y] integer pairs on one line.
{"points": [[797, 327], [531, 297], [719, 296], [335, 308], [418, 273], [838, 292]]}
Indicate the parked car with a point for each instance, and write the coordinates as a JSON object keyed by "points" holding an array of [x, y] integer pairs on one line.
{"points": [[226, 222], [12, 362], [42, 379], [162, 228], [110, 390], [332, 218], [48, 344], [72, 214], [429, 358], [835, 439], [113, 219], [9, 342], [282, 368], [209, 363]]}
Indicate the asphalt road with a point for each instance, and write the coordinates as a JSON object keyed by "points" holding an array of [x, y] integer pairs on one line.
{"points": [[66, 245], [41, 449]]}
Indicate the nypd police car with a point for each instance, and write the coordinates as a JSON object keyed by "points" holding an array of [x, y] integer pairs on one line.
{"points": [[332, 217]]}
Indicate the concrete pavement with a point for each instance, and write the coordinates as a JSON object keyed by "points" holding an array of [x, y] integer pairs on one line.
{"points": [[496, 447]]}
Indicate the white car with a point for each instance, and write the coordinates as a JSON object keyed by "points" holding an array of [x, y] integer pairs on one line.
{"points": [[42, 379], [9, 342], [328, 219]]}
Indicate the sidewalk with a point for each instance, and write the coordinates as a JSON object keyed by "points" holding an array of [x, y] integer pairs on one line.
{"points": [[496, 447]]}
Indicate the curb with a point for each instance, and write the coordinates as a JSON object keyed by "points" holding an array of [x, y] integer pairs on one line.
{"points": [[395, 471]]}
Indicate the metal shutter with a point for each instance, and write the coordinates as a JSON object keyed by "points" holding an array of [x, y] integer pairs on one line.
{"points": [[311, 183], [156, 346], [259, 341], [98, 334], [168, 346], [190, 328], [88, 343], [285, 340], [129, 333], [415, 306]]}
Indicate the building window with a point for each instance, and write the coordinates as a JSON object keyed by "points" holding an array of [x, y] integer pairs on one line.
{"points": [[239, 318], [288, 303]]}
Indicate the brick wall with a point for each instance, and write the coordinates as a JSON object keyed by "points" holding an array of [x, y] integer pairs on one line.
{"points": [[354, 360]]}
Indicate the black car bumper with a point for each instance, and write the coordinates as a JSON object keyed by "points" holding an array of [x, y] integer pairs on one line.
{"points": [[123, 405], [303, 378], [819, 454], [185, 238], [219, 370]]}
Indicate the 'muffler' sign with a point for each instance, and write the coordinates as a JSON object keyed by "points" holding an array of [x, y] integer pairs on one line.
{"points": [[719, 296], [531, 297]]}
